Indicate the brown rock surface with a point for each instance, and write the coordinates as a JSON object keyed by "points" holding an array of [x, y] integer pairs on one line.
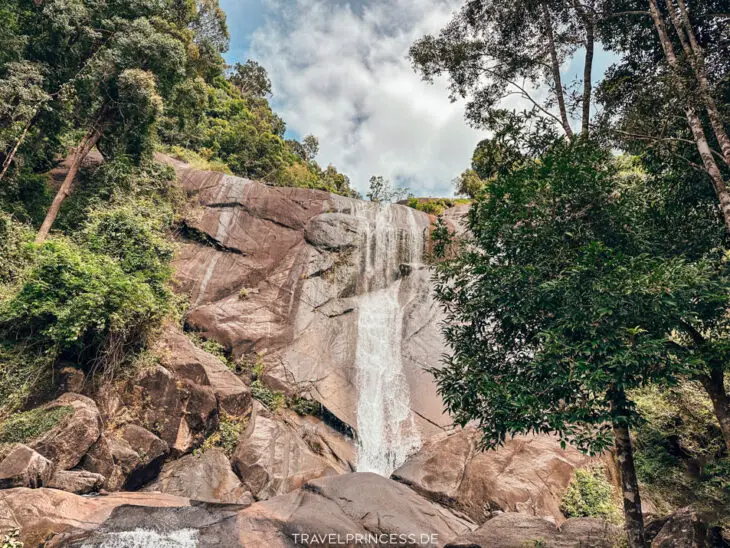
{"points": [[41, 513], [528, 474], [177, 353], [511, 530], [207, 477], [140, 455], [272, 458], [23, 467], [80, 482], [299, 254], [67, 442], [181, 412]]}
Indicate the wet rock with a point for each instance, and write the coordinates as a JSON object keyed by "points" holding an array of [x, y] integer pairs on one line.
{"points": [[178, 354], [206, 477], [67, 442], [512, 530], [41, 513], [80, 482], [385, 506], [271, 458], [527, 474], [23, 467]]}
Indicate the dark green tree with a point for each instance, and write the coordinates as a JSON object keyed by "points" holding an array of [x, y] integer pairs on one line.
{"points": [[251, 79], [568, 296]]}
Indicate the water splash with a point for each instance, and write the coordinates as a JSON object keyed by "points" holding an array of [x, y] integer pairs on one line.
{"points": [[143, 538], [386, 430]]}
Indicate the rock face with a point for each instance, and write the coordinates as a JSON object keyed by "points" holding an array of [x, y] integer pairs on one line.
{"points": [[80, 482], [518, 531], [23, 467], [528, 474], [686, 529], [67, 442], [41, 513], [178, 354], [272, 458], [285, 271], [347, 505], [207, 477]]}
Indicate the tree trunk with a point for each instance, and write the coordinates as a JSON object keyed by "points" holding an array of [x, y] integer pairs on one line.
{"points": [[85, 146], [714, 384], [697, 58], [11, 156], [629, 486], [557, 79], [589, 25], [695, 124]]}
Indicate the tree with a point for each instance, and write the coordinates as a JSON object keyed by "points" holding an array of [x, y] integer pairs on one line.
{"points": [[116, 102], [566, 298], [381, 191], [251, 79], [494, 49]]}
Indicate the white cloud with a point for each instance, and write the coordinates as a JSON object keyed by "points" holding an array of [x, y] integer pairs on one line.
{"points": [[340, 72]]}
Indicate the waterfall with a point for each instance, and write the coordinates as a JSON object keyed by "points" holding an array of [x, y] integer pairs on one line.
{"points": [[386, 430]]}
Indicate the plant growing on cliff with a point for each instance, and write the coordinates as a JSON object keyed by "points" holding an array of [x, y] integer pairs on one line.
{"points": [[569, 296], [591, 495]]}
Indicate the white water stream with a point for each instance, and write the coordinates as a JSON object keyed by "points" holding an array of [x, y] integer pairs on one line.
{"points": [[386, 430], [142, 538]]}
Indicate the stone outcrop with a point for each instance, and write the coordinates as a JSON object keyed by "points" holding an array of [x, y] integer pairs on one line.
{"points": [[206, 477], [22, 467], [139, 453], [80, 482], [272, 458], [528, 474], [511, 530], [181, 412], [280, 271], [39, 514], [177, 353], [686, 528], [67, 442]]}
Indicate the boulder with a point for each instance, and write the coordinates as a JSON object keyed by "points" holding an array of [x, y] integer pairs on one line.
{"points": [[687, 529], [67, 442], [80, 482], [528, 474], [181, 412], [99, 460], [384, 506], [512, 530], [40, 513], [271, 458], [23, 467], [140, 455], [335, 231], [177, 353], [206, 477]]}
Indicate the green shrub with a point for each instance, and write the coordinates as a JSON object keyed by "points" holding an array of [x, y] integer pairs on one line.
{"points": [[591, 495], [16, 252], [73, 299], [305, 406], [226, 436], [272, 399], [24, 427]]}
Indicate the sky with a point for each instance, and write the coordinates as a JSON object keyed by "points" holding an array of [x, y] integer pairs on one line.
{"points": [[339, 71]]}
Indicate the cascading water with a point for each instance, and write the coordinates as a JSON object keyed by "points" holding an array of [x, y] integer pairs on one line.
{"points": [[142, 538], [386, 432]]}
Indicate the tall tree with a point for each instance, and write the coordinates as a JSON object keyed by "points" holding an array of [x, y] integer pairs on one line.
{"points": [[251, 79], [493, 49], [566, 298]]}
